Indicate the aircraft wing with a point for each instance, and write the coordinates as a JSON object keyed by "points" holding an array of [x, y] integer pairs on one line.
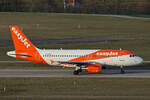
{"points": [[78, 62]]}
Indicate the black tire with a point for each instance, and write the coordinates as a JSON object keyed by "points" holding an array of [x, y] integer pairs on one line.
{"points": [[103, 67], [80, 70], [122, 71], [76, 72]]}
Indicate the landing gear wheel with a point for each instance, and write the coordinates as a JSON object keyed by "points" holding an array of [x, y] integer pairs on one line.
{"points": [[122, 70], [76, 72], [80, 70], [103, 67]]}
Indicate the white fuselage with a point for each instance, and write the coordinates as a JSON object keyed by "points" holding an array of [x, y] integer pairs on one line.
{"points": [[51, 57], [67, 55]]}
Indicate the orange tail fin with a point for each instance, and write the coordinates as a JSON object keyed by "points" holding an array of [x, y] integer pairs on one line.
{"points": [[20, 40], [24, 49]]}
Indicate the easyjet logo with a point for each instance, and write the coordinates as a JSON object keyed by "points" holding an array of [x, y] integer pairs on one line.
{"points": [[20, 37], [107, 53]]}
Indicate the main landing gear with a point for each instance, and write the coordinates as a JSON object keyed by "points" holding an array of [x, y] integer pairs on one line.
{"points": [[122, 70], [77, 71]]}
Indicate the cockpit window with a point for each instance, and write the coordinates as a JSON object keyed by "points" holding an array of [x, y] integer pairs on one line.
{"points": [[132, 55]]}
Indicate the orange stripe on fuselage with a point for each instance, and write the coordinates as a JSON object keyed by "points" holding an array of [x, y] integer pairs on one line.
{"points": [[101, 54]]}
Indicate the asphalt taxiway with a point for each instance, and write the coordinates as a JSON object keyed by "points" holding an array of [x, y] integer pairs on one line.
{"points": [[68, 73]]}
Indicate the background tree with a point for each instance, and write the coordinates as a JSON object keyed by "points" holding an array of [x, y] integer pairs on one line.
{"points": [[81, 6]]}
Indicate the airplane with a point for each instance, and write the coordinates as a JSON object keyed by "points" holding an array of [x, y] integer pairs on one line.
{"points": [[80, 59]]}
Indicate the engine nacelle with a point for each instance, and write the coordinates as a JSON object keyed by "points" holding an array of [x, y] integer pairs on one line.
{"points": [[94, 68]]}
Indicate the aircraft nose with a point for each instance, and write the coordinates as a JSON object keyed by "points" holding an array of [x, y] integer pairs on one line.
{"points": [[139, 60]]}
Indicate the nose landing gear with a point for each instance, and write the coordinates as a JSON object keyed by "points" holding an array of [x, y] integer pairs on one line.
{"points": [[122, 70]]}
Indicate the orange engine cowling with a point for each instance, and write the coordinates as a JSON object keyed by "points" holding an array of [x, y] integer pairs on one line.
{"points": [[94, 68]]}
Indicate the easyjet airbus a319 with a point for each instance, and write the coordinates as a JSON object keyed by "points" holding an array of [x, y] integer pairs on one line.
{"points": [[90, 60]]}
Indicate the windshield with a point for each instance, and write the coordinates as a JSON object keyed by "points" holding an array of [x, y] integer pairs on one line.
{"points": [[132, 55]]}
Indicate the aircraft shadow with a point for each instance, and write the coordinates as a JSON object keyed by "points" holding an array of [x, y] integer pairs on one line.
{"points": [[112, 72]]}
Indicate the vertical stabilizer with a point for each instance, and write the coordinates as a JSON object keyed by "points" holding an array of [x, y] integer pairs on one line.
{"points": [[24, 49], [20, 40]]}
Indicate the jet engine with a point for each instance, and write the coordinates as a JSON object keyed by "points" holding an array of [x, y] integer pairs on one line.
{"points": [[94, 68]]}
